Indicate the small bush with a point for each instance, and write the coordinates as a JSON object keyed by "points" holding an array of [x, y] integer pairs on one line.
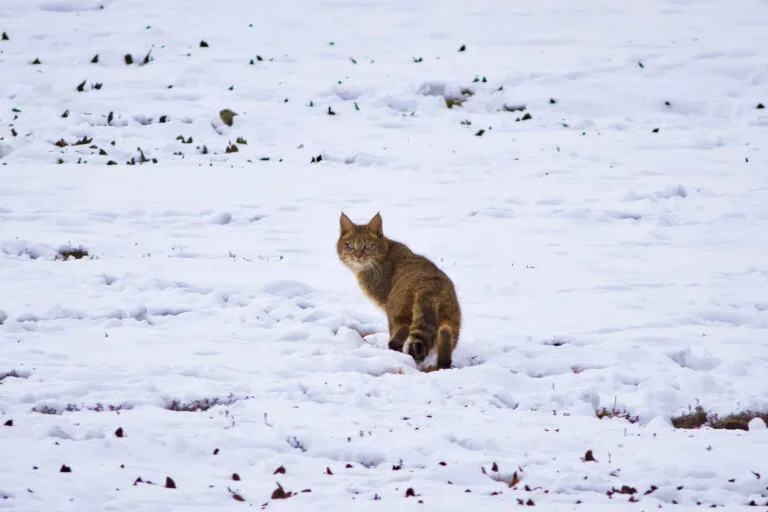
{"points": [[613, 412], [98, 407], [200, 405], [68, 252], [737, 421], [695, 418], [12, 373], [698, 417]]}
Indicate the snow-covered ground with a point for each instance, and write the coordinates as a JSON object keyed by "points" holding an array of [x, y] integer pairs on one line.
{"points": [[608, 243]]}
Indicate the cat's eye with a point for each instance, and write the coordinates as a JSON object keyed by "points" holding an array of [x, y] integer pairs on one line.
{"points": [[367, 246], [351, 245]]}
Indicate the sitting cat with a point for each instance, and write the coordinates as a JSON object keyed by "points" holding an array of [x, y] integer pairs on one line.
{"points": [[418, 298]]}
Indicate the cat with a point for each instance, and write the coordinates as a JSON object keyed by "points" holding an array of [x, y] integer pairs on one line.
{"points": [[419, 299]]}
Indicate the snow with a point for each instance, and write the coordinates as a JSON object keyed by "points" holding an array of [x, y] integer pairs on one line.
{"points": [[608, 252]]}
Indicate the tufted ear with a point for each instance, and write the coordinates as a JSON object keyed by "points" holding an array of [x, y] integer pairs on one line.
{"points": [[375, 224], [346, 224]]}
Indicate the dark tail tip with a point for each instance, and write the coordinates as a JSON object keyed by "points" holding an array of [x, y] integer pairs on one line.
{"points": [[444, 347]]}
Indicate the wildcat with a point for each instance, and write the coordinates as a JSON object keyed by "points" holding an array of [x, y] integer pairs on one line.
{"points": [[419, 299]]}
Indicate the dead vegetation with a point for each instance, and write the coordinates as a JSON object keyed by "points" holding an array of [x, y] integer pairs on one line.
{"points": [[12, 373], [615, 412], [202, 404], [99, 407], [698, 417], [69, 252]]}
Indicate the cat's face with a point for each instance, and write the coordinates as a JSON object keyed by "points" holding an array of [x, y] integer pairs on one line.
{"points": [[361, 246]]}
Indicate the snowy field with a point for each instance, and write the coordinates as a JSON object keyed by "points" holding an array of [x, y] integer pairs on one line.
{"points": [[598, 193]]}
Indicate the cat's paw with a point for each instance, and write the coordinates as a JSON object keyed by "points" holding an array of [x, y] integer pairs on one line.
{"points": [[416, 348], [396, 345]]}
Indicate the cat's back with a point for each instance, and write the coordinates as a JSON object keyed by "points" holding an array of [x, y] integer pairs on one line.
{"points": [[412, 266]]}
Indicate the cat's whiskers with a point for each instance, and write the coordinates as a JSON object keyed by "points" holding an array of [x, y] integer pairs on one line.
{"points": [[376, 268]]}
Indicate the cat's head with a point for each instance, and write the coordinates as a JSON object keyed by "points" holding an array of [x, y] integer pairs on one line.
{"points": [[361, 246]]}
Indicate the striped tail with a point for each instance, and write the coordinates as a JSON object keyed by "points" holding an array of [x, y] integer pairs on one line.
{"points": [[445, 344]]}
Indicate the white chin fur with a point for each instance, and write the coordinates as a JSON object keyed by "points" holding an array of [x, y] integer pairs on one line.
{"points": [[357, 266]]}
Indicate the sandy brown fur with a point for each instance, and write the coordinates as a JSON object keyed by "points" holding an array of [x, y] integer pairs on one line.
{"points": [[419, 299]]}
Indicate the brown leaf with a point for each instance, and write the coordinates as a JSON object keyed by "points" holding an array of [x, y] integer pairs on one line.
{"points": [[235, 476], [8, 423], [280, 470], [65, 469], [495, 467], [515, 480], [227, 116], [280, 494], [169, 483], [235, 496], [328, 471], [410, 493], [589, 457], [119, 432]]}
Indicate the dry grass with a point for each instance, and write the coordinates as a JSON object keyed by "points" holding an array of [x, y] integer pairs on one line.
{"points": [[69, 252], [613, 412], [698, 417], [457, 101], [694, 418], [99, 407], [201, 405], [12, 373]]}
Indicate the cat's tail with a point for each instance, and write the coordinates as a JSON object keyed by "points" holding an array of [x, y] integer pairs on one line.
{"points": [[446, 341]]}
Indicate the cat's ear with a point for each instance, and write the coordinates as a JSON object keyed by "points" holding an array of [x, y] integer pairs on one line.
{"points": [[346, 224], [375, 224]]}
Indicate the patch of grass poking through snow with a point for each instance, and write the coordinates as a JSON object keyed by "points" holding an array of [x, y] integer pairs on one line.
{"points": [[68, 252], [202, 404], [227, 116], [699, 417], [294, 443], [695, 418], [12, 373], [513, 108], [457, 101], [613, 412], [99, 407]]}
